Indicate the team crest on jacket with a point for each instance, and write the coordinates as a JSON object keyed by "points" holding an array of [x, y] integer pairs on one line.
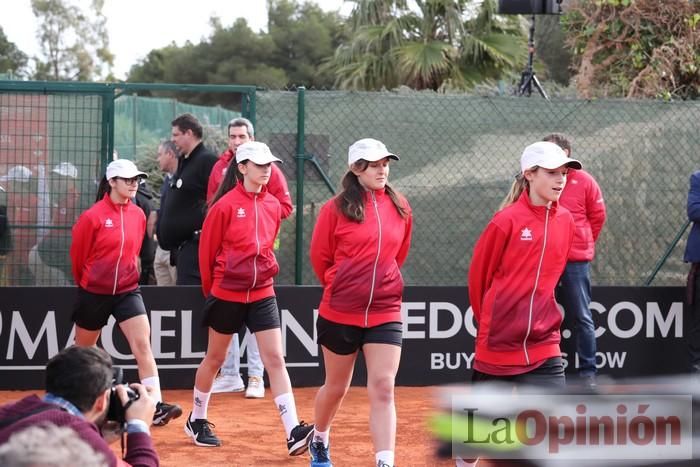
{"points": [[108, 223], [526, 234], [240, 212]]}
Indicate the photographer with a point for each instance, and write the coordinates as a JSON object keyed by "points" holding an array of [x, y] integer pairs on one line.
{"points": [[78, 388]]}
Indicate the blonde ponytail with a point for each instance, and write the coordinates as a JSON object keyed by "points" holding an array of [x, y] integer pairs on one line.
{"points": [[519, 185]]}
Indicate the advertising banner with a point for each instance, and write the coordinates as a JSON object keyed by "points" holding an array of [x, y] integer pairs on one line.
{"points": [[639, 333]]}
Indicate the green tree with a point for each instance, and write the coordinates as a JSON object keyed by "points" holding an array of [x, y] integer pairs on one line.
{"points": [[299, 39], [74, 45], [635, 48], [444, 44], [12, 60], [303, 37]]}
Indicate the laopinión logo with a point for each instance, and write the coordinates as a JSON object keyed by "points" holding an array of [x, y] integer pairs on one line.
{"points": [[529, 426]]}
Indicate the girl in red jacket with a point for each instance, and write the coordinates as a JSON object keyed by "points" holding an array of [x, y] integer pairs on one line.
{"points": [[516, 265], [104, 255], [360, 241], [237, 265]]}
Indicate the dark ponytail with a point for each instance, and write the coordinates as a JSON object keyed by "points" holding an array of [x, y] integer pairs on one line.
{"points": [[231, 179], [103, 188], [350, 201]]}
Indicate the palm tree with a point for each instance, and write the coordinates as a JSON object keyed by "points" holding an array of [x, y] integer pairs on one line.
{"points": [[431, 47]]}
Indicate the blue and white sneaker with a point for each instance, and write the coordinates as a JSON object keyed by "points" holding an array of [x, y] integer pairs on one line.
{"points": [[319, 455]]}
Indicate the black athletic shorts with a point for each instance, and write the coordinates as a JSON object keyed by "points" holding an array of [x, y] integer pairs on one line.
{"points": [[228, 317], [344, 339], [549, 374], [91, 310]]}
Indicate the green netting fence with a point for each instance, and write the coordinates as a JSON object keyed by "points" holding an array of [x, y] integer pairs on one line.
{"points": [[141, 122], [458, 157]]}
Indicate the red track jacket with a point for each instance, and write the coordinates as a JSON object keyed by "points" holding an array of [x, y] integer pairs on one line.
{"points": [[516, 265], [584, 200], [106, 243], [276, 186], [358, 263], [236, 259]]}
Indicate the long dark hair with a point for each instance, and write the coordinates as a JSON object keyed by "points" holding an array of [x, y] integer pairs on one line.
{"points": [[350, 201], [103, 188], [231, 179]]}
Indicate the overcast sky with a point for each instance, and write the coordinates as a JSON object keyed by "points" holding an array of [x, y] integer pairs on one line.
{"points": [[138, 26]]}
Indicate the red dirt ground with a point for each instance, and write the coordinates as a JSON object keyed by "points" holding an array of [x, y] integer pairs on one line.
{"points": [[252, 433]]}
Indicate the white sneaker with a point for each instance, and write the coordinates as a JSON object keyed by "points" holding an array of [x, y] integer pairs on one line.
{"points": [[256, 388], [228, 383]]}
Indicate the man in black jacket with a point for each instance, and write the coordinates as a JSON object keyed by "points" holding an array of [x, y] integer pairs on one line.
{"points": [[183, 212]]}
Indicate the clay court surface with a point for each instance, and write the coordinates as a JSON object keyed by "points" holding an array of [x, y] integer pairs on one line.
{"points": [[252, 433]]}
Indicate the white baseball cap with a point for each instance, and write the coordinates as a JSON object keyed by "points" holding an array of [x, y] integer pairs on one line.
{"points": [[370, 150], [18, 173], [66, 169], [123, 168], [256, 152], [546, 155]]}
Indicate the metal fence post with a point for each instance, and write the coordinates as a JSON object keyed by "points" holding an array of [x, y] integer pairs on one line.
{"points": [[300, 158], [107, 143]]}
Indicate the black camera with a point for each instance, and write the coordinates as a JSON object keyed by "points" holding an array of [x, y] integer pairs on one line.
{"points": [[117, 411], [529, 7]]}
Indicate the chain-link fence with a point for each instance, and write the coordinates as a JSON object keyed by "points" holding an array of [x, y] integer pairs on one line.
{"points": [[55, 141], [459, 155], [141, 122]]}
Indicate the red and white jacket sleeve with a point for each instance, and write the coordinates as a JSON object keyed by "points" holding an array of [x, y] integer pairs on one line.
{"points": [[277, 186], [322, 249], [83, 232], [406, 245], [486, 259], [210, 241], [595, 208]]}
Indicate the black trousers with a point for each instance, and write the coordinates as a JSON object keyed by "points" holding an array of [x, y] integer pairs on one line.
{"points": [[188, 263], [691, 323]]}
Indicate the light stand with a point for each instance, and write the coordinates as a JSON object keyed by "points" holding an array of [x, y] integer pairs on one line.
{"points": [[528, 78]]}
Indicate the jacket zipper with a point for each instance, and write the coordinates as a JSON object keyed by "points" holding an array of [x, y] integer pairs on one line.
{"points": [[376, 260], [121, 249], [534, 290], [257, 249]]}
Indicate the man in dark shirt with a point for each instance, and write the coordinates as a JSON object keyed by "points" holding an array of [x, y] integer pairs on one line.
{"points": [[183, 212], [78, 387], [168, 156]]}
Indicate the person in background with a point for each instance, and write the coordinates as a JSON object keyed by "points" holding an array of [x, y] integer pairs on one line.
{"points": [[584, 200], [238, 267], [48, 445], [5, 237], [144, 200], [240, 130], [78, 387], [692, 256], [182, 213], [166, 273], [104, 253], [22, 200], [49, 260], [360, 241]]}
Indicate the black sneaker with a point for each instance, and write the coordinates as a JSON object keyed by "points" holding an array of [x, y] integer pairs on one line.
{"points": [[165, 412], [298, 441], [200, 432]]}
